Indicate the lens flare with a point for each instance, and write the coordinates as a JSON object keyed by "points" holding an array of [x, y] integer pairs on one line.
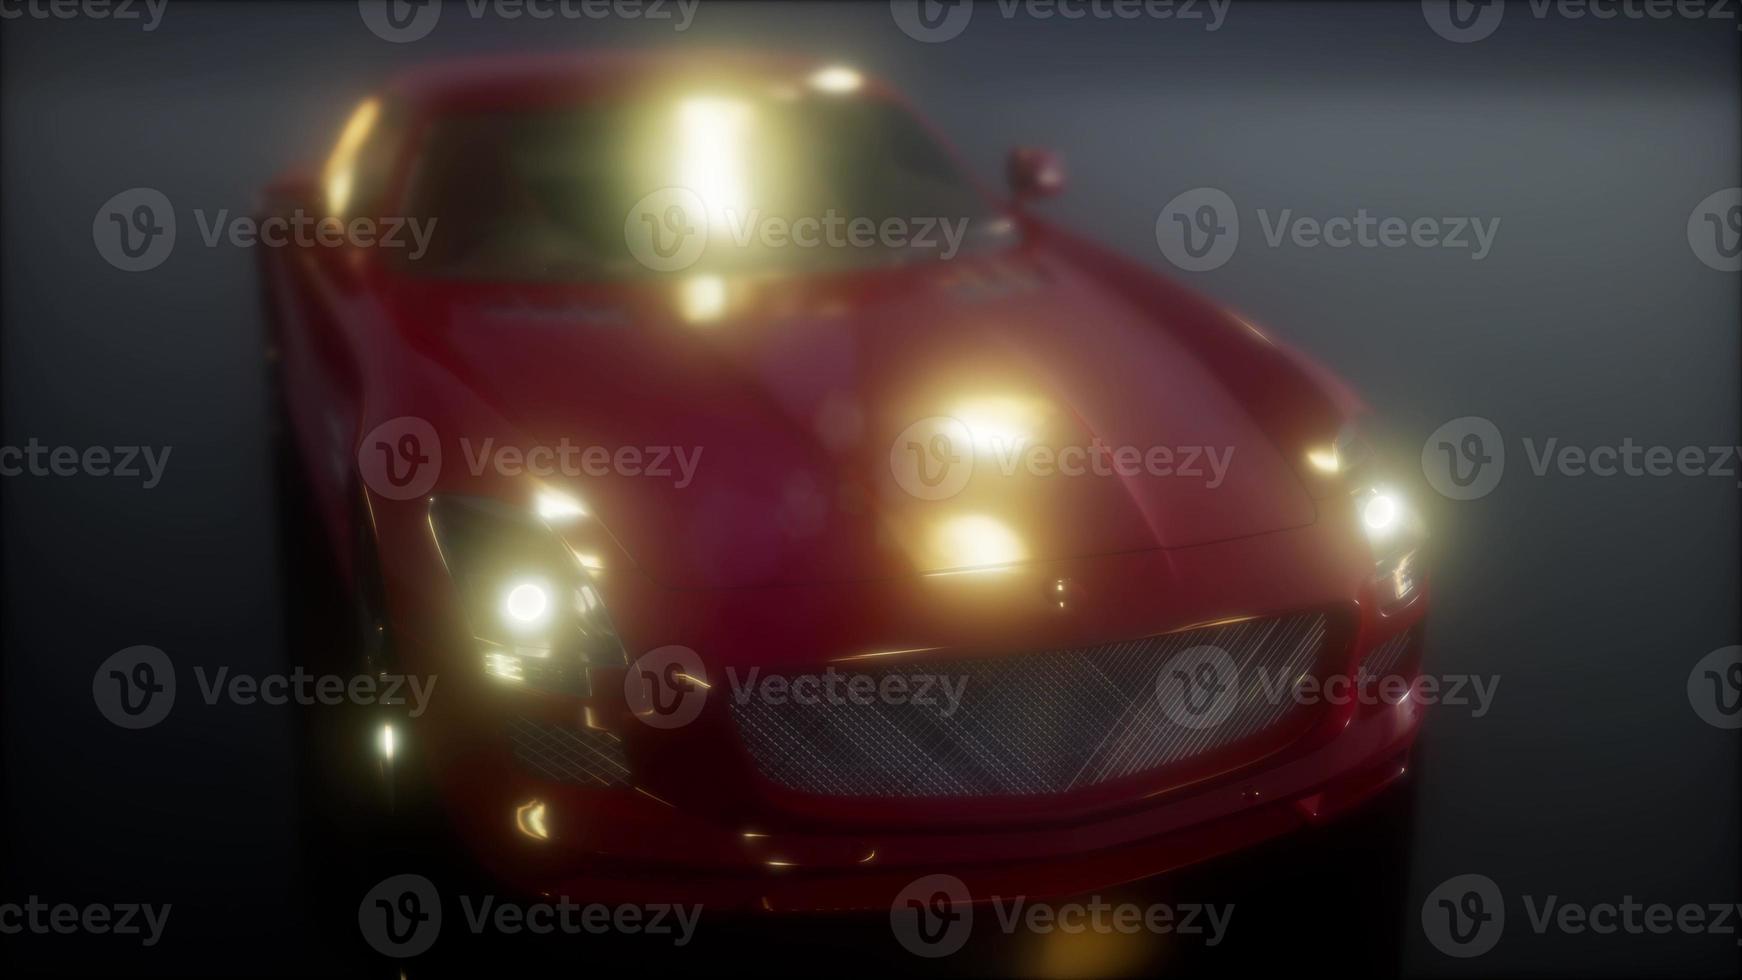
{"points": [[557, 508], [975, 542], [837, 80], [711, 161], [526, 604], [1381, 512], [339, 171]]}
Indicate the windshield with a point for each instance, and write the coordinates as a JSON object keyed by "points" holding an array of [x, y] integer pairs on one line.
{"points": [[760, 185]]}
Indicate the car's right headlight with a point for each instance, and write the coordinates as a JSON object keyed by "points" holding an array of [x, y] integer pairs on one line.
{"points": [[535, 614], [1394, 530]]}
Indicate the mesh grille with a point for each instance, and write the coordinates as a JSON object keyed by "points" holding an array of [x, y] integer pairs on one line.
{"points": [[1385, 658], [1036, 724], [569, 755]]}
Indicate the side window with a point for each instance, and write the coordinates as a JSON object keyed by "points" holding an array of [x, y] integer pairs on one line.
{"points": [[361, 164]]}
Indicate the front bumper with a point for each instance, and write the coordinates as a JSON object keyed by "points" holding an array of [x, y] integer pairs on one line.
{"points": [[718, 867], [691, 819]]}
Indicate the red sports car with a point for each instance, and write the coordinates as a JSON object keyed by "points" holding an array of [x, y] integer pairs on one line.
{"points": [[785, 517]]}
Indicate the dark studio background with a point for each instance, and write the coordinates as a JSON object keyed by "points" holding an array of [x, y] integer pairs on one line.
{"points": [[1591, 321]]}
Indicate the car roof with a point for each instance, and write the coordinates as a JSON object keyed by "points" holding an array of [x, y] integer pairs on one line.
{"points": [[521, 80]]}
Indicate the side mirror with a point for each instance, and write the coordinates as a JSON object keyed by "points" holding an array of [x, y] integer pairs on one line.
{"points": [[1034, 173]]}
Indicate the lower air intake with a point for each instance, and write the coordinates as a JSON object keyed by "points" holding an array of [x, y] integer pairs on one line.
{"points": [[569, 755], [1041, 723]]}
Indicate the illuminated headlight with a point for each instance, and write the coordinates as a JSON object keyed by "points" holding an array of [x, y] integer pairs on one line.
{"points": [[526, 606], [535, 614], [1381, 512], [1394, 533], [1392, 527]]}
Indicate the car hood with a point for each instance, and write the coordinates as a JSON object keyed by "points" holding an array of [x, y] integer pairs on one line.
{"points": [[932, 418]]}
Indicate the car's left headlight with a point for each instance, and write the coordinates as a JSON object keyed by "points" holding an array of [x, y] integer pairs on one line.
{"points": [[535, 614]]}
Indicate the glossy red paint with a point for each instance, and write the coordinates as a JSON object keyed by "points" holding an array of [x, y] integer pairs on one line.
{"points": [[789, 549]]}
